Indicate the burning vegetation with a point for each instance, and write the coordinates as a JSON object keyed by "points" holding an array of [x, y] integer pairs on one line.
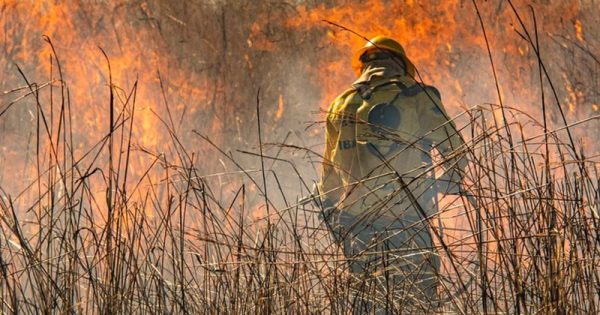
{"points": [[153, 154]]}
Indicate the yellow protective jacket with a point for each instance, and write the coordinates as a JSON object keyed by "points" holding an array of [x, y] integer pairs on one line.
{"points": [[382, 129]]}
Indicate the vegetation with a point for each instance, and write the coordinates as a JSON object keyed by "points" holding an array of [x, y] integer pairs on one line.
{"points": [[121, 228]]}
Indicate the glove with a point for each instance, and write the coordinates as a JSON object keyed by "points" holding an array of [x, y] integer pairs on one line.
{"points": [[321, 201], [328, 214], [331, 217]]}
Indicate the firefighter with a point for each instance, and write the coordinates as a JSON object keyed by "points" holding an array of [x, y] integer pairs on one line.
{"points": [[378, 190]]}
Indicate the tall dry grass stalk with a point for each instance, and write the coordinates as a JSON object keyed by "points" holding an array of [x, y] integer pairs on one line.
{"points": [[89, 235]]}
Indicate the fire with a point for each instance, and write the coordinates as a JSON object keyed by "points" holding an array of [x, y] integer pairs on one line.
{"points": [[194, 76], [80, 34], [279, 112], [579, 31], [443, 39], [423, 37], [169, 71], [259, 42]]}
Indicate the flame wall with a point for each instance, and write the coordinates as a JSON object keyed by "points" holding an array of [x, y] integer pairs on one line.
{"points": [[213, 57]]}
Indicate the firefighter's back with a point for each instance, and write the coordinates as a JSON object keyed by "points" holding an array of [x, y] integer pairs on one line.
{"points": [[391, 144]]}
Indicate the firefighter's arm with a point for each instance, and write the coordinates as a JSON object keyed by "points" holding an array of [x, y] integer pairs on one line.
{"points": [[446, 139], [330, 186]]}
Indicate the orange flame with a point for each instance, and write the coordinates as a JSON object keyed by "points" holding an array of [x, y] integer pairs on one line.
{"points": [[443, 39]]}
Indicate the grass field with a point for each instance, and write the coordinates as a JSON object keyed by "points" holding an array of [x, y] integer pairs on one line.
{"points": [[86, 238], [104, 223]]}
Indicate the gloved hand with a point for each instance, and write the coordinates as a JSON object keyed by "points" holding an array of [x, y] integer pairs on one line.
{"points": [[321, 201], [331, 217], [328, 214]]}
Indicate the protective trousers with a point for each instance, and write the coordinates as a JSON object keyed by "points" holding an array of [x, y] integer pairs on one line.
{"points": [[393, 263]]}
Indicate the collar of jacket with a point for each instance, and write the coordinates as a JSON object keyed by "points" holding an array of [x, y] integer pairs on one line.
{"points": [[380, 73]]}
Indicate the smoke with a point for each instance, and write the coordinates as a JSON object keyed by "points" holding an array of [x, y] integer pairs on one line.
{"points": [[191, 82], [206, 62]]}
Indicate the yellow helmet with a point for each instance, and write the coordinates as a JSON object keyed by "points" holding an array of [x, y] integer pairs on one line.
{"points": [[380, 42]]}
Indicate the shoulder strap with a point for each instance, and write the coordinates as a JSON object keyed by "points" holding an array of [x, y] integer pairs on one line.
{"points": [[346, 93], [420, 88], [366, 89]]}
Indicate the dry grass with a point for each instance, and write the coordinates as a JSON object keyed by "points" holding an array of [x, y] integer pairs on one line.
{"points": [[86, 238], [90, 235]]}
